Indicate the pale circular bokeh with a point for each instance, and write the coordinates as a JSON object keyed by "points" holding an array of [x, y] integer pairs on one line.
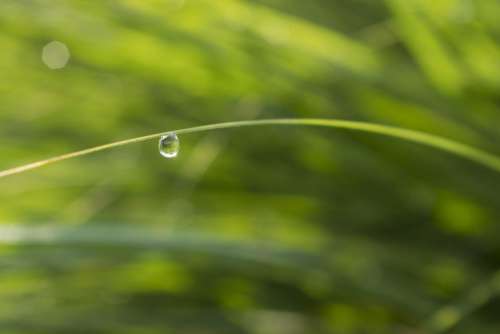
{"points": [[177, 4], [55, 55]]}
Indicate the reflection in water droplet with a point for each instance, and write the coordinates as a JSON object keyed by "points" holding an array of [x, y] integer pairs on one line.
{"points": [[169, 145]]}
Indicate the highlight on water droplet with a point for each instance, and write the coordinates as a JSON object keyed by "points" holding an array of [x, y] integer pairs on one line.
{"points": [[169, 145]]}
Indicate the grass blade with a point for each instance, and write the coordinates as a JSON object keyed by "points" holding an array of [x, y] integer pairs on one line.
{"points": [[444, 144]]}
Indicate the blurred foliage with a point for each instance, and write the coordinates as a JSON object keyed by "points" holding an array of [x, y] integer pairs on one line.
{"points": [[253, 230]]}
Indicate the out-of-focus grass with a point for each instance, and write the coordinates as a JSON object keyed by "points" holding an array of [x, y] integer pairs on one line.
{"points": [[269, 231]]}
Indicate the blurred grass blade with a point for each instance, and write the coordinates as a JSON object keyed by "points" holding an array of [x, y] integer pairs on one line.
{"points": [[449, 316]]}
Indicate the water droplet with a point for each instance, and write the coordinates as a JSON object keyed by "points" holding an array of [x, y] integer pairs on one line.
{"points": [[169, 145]]}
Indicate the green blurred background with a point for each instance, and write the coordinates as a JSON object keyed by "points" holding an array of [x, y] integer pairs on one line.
{"points": [[252, 230]]}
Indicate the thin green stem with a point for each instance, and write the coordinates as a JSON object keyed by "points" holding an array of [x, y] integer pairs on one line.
{"points": [[468, 152]]}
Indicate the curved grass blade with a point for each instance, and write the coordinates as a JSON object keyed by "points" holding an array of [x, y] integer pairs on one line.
{"points": [[444, 144]]}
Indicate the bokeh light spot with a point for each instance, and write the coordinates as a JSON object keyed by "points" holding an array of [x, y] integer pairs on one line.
{"points": [[55, 55]]}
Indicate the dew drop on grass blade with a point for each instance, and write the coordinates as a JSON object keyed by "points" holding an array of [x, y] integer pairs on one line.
{"points": [[169, 145]]}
